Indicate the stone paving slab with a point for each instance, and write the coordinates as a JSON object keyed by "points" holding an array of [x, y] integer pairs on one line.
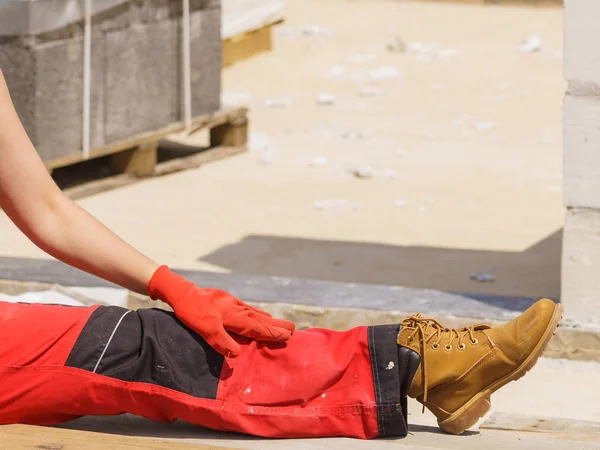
{"points": [[312, 303]]}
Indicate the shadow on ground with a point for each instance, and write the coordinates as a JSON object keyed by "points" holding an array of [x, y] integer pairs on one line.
{"points": [[435, 430], [129, 425], [534, 272]]}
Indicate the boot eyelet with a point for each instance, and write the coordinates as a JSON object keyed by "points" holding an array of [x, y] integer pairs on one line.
{"points": [[435, 346], [474, 341], [448, 348], [462, 346]]}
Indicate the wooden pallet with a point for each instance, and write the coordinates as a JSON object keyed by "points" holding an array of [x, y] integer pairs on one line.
{"points": [[136, 157], [247, 45]]}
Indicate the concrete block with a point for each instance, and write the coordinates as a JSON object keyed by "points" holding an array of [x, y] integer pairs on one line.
{"points": [[580, 262], [206, 61], [59, 98], [581, 176], [142, 79], [46, 84], [145, 11], [18, 66], [582, 55]]}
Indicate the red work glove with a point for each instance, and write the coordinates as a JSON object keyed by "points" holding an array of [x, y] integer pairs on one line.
{"points": [[212, 312]]}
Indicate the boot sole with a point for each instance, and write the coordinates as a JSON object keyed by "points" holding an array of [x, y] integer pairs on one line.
{"points": [[469, 414]]}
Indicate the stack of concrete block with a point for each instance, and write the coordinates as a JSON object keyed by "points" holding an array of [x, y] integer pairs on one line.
{"points": [[136, 80], [581, 246]]}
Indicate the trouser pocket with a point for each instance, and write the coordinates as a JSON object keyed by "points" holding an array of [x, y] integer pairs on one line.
{"points": [[147, 346]]}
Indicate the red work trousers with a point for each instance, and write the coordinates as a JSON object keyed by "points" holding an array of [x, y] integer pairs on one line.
{"points": [[58, 363]]}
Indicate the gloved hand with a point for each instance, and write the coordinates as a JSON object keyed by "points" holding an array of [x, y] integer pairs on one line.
{"points": [[212, 312]]}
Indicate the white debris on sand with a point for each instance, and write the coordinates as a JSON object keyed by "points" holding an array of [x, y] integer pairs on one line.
{"points": [[483, 277], [367, 172], [312, 30], [370, 91], [353, 136], [335, 204], [504, 86], [390, 174], [396, 45], [530, 44], [235, 98], [362, 172], [318, 161], [400, 203], [429, 52], [429, 200], [435, 85], [484, 125], [400, 153], [447, 53], [363, 75], [384, 73], [325, 99], [336, 71], [278, 102], [259, 141], [419, 47]]}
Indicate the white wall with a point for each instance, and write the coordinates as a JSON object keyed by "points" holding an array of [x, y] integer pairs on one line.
{"points": [[581, 247]]}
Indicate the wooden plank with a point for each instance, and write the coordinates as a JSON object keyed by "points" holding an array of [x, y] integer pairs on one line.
{"points": [[139, 161], [247, 45], [26, 437], [165, 168], [197, 160], [538, 424], [205, 121], [230, 134]]}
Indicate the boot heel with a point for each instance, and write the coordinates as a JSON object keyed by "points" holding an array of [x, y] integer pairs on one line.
{"points": [[464, 419]]}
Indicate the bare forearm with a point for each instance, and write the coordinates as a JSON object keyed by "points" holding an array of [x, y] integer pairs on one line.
{"points": [[72, 235]]}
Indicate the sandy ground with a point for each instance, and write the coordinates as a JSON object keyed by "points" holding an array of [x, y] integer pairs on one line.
{"points": [[461, 133]]}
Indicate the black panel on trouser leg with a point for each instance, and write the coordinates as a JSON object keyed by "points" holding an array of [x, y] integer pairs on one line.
{"points": [[95, 335], [392, 376], [148, 346]]}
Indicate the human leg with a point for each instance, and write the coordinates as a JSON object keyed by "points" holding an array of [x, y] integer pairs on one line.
{"points": [[108, 360]]}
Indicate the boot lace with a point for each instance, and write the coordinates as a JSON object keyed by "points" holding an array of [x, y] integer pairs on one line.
{"points": [[430, 330]]}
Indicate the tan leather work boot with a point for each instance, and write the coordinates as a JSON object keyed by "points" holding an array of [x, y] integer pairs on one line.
{"points": [[461, 368]]}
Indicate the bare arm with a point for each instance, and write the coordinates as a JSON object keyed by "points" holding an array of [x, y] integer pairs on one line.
{"points": [[52, 221]]}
